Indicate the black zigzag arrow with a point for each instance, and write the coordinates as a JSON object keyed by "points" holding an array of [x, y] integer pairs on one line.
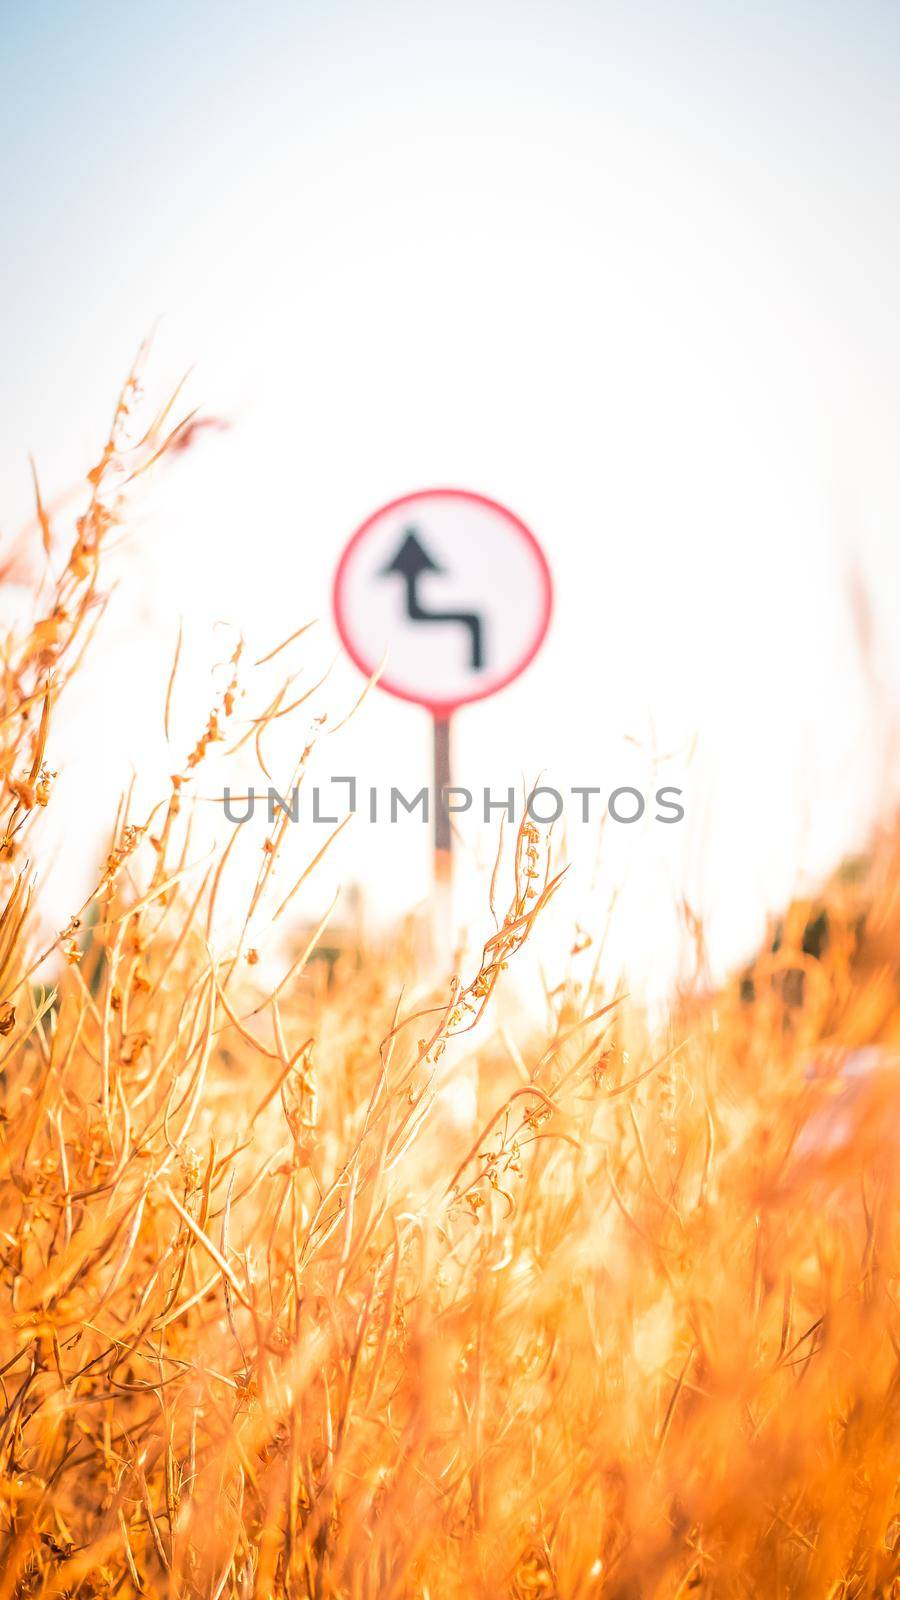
{"points": [[411, 561]]}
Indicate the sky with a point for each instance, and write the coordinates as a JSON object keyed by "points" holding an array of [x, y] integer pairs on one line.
{"points": [[629, 269]]}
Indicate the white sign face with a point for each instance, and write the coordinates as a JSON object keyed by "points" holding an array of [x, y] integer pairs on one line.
{"points": [[448, 590]]}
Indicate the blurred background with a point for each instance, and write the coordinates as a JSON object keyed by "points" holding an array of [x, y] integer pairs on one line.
{"points": [[630, 269]]}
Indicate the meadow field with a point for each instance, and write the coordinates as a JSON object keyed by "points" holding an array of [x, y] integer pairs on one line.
{"points": [[273, 1324]]}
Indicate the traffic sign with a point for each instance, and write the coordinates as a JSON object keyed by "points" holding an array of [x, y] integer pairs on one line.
{"points": [[450, 591]]}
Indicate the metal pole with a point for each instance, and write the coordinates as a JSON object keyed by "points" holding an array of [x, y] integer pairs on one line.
{"points": [[443, 841], [442, 835]]}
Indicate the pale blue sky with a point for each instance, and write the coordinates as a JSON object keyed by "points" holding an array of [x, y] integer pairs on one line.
{"points": [[124, 126]]}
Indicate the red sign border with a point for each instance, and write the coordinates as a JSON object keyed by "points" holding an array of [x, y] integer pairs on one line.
{"points": [[444, 708]]}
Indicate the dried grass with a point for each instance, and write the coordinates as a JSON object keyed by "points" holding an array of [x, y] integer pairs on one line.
{"points": [[268, 1329]]}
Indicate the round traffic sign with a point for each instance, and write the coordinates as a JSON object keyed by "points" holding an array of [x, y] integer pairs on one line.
{"points": [[449, 590]]}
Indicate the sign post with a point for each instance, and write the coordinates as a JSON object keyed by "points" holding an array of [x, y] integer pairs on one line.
{"points": [[442, 919], [443, 838], [453, 592]]}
